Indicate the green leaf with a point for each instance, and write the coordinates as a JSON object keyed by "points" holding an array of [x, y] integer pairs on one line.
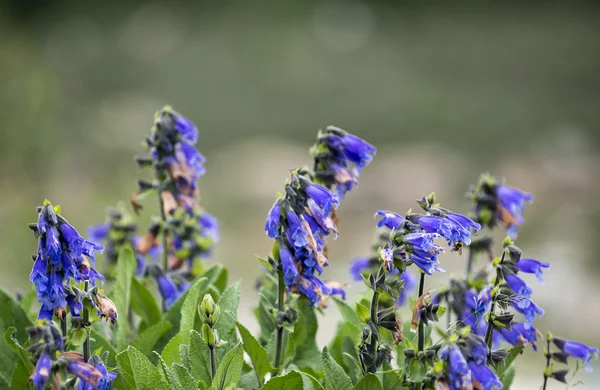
{"points": [[12, 316], [170, 353], [416, 370], [184, 353], [368, 382], [364, 315], [184, 377], [228, 303], [307, 352], [146, 340], [508, 377], [13, 343], [136, 372], [230, 369], [143, 303], [335, 377], [172, 380], [97, 340], [258, 355], [199, 354], [121, 294], [77, 337], [390, 378], [20, 377], [217, 276], [291, 381], [348, 314], [508, 360]]}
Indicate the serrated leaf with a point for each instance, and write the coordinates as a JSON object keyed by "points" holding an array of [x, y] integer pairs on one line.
{"points": [[348, 314], [13, 315], [368, 382], [258, 355], [199, 354], [335, 377], [136, 372], [189, 309], [248, 381], [230, 369], [291, 381], [184, 377], [143, 303], [307, 353], [170, 353], [20, 377], [344, 343], [121, 293], [184, 353], [15, 346], [146, 340], [228, 303], [171, 379]]}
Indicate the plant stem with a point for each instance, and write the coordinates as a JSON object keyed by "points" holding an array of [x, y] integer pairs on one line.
{"points": [[63, 325], [213, 361], [279, 337], [421, 343], [548, 357], [86, 324], [163, 231], [490, 328]]}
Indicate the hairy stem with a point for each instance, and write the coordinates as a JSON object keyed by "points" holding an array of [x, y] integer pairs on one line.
{"points": [[213, 361], [548, 358], [279, 337], [86, 324], [421, 335], [490, 329], [163, 231]]}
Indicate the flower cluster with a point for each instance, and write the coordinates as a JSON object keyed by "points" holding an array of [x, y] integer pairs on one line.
{"points": [[465, 364], [52, 362], [188, 232], [496, 203], [300, 221], [339, 157], [119, 231], [63, 254]]}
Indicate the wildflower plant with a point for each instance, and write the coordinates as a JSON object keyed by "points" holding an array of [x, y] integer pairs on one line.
{"points": [[164, 318]]}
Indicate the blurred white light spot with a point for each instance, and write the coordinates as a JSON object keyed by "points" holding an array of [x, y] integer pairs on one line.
{"points": [[344, 26], [150, 33]]}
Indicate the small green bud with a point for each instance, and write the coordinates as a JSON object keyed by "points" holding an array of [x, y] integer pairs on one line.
{"points": [[209, 336], [209, 311]]}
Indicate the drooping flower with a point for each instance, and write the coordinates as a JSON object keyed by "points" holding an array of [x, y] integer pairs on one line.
{"points": [[487, 379], [41, 374], [85, 372], [358, 266], [104, 383], [522, 291], [459, 375], [532, 266], [390, 219], [530, 311], [449, 228], [169, 291], [519, 334], [577, 350]]}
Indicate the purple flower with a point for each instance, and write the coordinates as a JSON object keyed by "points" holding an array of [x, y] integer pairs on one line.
{"points": [[105, 383], [529, 311], [273, 216], [357, 150], [532, 266], [99, 232], [410, 283], [187, 128], [289, 266], [448, 228], [521, 289], [41, 374], [194, 159], [210, 226], [578, 350], [520, 335], [512, 204], [323, 221], [485, 376], [459, 375], [84, 372], [72, 237], [53, 248], [167, 288], [38, 275], [344, 179], [465, 222], [423, 241], [297, 235], [323, 197], [357, 266], [390, 219]]}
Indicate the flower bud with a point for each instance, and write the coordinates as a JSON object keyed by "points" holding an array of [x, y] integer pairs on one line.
{"points": [[209, 311], [107, 308]]}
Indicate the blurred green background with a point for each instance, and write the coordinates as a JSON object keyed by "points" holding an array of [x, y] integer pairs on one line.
{"points": [[444, 90]]}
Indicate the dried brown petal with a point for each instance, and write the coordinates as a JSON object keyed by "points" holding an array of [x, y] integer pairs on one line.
{"points": [[419, 304]]}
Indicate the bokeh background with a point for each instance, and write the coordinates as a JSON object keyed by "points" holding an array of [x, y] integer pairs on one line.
{"points": [[444, 90]]}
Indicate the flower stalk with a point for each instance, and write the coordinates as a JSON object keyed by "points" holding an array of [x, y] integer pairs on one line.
{"points": [[548, 359], [86, 324], [490, 329], [421, 331]]}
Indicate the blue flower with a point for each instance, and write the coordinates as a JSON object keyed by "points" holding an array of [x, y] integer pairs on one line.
{"points": [[344, 179], [74, 304], [187, 128], [323, 197], [532, 266], [38, 275], [53, 248], [358, 150], [167, 288], [272, 223], [323, 221], [105, 383], [358, 266], [448, 228], [297, 234], [511, 207], [425, 260], [99, 232], [423, 241], [529, 311], [410, 283], [519, 334], [485, 376], [210, 226], [56, 291], [522, 291], [465, 222], [314, 289], [194, 159], [390, 219], [41, 374], [70, 268], [289, 266], [85, 372], [459, 375], [73, 239], [578, 350]]}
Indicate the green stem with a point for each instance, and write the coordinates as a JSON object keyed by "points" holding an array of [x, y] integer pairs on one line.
{"points": [[163, 231], [213, 361], [63, 325], [490, 328], [548, 358], [279, 336], [421, 343], [86, 324]]}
